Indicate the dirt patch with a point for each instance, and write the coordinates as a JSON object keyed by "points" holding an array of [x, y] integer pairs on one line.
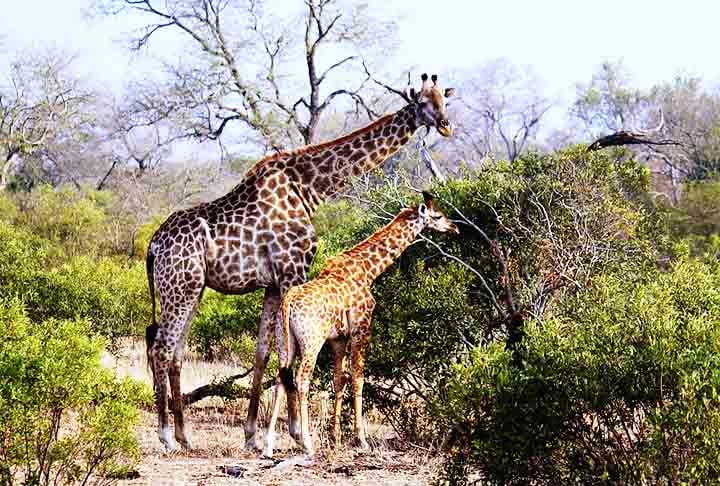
{"points": [[219, 458]]}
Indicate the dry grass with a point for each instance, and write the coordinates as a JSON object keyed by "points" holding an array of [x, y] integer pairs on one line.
{"points": [[219, 456]]}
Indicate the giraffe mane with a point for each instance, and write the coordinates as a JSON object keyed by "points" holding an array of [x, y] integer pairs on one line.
{"points": [[309, 149], [379, 235]]}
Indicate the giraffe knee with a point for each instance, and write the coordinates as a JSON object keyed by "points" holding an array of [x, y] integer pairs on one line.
{"points": [[161, 357]]}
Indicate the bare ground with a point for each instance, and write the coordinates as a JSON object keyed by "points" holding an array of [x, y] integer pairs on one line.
{"points": [[219, 458]]}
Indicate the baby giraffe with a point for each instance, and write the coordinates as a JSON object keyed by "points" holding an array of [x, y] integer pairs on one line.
{"points": [[337, 307]]}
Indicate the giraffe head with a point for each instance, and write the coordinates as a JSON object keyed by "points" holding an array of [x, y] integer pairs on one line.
{"points": [[433, 217], [432, 103]]}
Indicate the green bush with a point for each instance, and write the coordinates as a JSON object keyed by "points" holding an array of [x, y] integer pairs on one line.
{"points": [[144, 234], [226, 327], [696, 218], [64, 419], [618, 385], [8, 210], [111, 294], [558, 220], [75, 221], [23, 257]]}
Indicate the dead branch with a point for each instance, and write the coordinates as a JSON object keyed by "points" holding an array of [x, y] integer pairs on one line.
{"points": [[625, 137], [635, 137], [405, 96], [225, 388]]}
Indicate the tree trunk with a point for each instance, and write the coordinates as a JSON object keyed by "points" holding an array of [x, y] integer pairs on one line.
{"points": [[6, 169]]}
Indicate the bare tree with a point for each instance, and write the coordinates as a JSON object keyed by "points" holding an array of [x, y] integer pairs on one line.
{"points": [[242, 66], [688, 148], [502, 108], [39, 103], [692, 115], [609, 103]]}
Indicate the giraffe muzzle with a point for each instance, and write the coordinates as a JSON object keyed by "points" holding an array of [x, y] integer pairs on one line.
{"points": [[444, 128]]}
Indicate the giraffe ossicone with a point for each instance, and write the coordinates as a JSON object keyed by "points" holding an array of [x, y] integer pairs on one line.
{"points": [[337, 307], [260, 235]]}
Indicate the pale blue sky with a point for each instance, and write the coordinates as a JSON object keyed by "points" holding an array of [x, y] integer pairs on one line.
{"points": [[563, 40]]}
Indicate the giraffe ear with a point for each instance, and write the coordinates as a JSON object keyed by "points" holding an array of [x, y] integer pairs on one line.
{"points": [[449, 92], [422, 210]]}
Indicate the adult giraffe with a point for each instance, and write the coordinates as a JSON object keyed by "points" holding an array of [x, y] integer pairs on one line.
{"points": [[260, 235]]}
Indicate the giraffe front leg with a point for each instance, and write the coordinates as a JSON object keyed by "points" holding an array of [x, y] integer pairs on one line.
{"points": [[339, 347], [303, 377], [358, 347], [271, 304]]}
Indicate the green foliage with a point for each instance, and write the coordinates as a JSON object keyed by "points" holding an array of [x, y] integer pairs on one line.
{"points": [[63, 417], [144, 234], [23, 257], [696, 218], [339, 226], [225, 327], [75, 221], [112, 295], [558, 221], [8, 210], [618, 385]]}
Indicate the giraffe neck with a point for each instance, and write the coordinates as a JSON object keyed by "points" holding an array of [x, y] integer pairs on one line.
{"points": [[326, 168], [382, 248]]}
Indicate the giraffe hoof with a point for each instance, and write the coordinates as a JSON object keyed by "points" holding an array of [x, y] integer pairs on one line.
{"points": [[269, 445], [170, 445], [167, 440], [361, 444], [302, 461]]}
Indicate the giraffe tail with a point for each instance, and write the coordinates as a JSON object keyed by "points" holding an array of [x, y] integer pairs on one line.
{"points": [[152, 330], [285, 373]]}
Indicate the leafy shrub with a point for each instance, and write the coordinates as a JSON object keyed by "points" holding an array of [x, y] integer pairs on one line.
{"points": [[144, 234], [23, 257], [112, 295], [77, 222], [619, 385], [225, 327], [8, 210], [696, 218], [63, 418], [539, 228], [340, 225]]}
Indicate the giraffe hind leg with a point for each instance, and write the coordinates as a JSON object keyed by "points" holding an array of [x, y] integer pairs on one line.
{"points": [[181, 432], [358, 348], [166, 354], [160, 361]]}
